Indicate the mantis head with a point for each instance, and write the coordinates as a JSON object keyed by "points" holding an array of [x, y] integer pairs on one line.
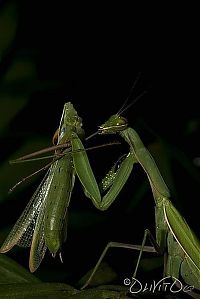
{"points": [[114, 124], [70, 121]]}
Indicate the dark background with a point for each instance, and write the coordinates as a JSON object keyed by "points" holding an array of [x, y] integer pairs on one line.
{"points": [[91, 56]]}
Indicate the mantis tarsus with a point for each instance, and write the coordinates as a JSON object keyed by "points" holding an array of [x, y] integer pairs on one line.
{"points": [[174, 238], [43, 223]]}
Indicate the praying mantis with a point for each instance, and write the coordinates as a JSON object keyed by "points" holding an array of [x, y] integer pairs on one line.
{"points": [[174, 238], [43, 223]]}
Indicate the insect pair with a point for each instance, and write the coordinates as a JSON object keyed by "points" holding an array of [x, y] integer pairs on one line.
{"points": [[43, 223]]}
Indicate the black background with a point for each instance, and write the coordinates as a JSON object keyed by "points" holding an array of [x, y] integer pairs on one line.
{"points": [[91, 55]]}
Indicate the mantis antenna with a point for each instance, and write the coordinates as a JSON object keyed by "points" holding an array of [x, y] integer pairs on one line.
{"points": [[129, 95]]}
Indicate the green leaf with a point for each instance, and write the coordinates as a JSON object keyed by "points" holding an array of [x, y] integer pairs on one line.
{"points": [[36, 290], [12, 272], [104, 274]]}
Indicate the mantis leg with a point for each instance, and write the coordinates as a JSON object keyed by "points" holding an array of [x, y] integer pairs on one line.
{"points": [[140, 248], [87, 178], [138, 154]]}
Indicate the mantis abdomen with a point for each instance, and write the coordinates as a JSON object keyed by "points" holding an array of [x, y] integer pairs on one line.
{"points": [[57, 203]]}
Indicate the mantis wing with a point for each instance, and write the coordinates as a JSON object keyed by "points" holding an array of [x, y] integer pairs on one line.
{"points": [[38, 247], [22, 232], [187, 241]]}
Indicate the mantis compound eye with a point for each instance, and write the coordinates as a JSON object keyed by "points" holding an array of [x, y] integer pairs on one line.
{"points": [[113, 125], [121, 121]]}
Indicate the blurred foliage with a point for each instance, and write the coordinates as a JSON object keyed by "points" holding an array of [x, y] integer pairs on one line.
{"points": [[46, 60]]}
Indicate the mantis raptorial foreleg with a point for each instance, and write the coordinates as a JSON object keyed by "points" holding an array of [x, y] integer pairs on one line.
{"points": [[43, 222], [172, 231], [42, 225]]}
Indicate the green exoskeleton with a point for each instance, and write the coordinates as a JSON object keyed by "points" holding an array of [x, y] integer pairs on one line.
{"points": [[43, 223], [174, 238]]}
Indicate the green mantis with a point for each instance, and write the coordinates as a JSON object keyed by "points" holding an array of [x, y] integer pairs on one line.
{"points": [[43, 223], [174, 238]]}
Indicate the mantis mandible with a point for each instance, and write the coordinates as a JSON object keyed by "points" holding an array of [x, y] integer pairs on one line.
{"points": [[174, 238], [43, 223]]}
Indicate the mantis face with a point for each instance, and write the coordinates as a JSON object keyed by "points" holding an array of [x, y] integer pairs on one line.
{"points": [[114, 124], [70, 121]]}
